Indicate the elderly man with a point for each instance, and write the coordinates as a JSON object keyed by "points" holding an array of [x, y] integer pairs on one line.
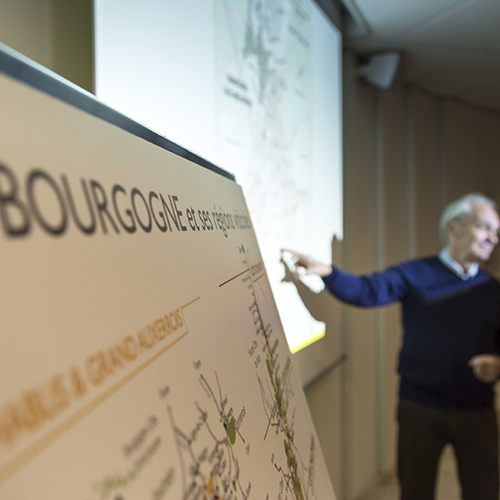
{"points": [[449, 358]]}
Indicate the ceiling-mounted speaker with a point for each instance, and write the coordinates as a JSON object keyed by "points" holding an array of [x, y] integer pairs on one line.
{"points": [[381, 69]]}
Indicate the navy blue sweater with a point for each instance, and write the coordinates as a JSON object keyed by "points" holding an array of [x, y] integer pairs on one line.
{"points": [[446, 321]]}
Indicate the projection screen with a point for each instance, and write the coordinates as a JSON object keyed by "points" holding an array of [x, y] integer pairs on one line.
{"points": [[253, 87]]}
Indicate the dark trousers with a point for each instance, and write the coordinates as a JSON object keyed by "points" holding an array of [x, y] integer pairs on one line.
{"points": [[423, 433]]}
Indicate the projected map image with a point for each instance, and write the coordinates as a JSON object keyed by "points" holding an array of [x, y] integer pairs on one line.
{"points": [[264, 106], [263, 58]]}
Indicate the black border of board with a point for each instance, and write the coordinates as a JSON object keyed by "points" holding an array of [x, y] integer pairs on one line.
{"points": [[41, 79]]}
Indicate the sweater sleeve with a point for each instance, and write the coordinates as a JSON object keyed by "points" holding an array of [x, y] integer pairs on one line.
{"points": [[371, 290]]}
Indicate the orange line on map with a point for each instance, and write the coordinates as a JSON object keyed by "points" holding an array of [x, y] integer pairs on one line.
{"points": [[189, 303], [22, 459]]}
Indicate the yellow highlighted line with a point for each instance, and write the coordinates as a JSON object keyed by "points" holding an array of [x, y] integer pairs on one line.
{"points": [[22, 459], [307, 342], [189, 303]]}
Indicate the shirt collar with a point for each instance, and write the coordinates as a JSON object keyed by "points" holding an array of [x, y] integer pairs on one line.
{"points": [[456, 268]]}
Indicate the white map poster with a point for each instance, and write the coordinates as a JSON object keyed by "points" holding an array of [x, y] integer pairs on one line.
{"points": [[142, 353]]}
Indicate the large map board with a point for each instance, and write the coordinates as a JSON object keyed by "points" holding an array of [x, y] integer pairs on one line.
{"points": [[142, 353]]}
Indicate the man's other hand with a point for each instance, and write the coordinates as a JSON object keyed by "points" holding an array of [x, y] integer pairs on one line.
{"points": [[486, 367]]}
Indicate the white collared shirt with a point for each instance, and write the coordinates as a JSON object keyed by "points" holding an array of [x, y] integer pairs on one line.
{"points": [[455, 267]]}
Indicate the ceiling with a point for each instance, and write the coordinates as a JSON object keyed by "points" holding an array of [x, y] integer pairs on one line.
{"points": [[449, 47]]}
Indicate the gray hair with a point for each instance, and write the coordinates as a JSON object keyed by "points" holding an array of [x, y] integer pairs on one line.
{"points": [[460, 208]]}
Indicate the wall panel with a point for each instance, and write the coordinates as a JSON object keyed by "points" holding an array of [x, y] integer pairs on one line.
{"points": [[487, 169], [55, 33], [25, 26], [325, 403], [393, 249], [423, 115], [461, 149], [359, 257], [72, 31]]}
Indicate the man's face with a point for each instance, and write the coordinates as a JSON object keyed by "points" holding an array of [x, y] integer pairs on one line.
{"points": [[476, 237]]}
